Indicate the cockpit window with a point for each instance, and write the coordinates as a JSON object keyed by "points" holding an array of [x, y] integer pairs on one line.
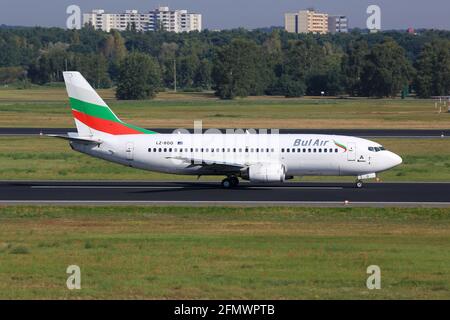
{"points": [[377, 149]]}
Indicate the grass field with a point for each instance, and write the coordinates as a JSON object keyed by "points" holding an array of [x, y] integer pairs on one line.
{"points": [[48, 107], [224, 253], [30, 158]]}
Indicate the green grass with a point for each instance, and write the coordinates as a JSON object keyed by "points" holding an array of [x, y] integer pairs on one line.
{"points": [[42, 158], [224, 253], [48, 107]]}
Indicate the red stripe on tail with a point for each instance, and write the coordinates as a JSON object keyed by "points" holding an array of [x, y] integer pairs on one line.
{"points": [[102, 125]]}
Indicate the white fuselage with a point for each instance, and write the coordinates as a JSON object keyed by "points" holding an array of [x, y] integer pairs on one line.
{"points": [[228, 154]]}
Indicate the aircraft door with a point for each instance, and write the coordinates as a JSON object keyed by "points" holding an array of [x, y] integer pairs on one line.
{"points": [[130, 151], [351, 152]]}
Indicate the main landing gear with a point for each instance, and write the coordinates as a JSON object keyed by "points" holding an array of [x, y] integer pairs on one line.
{"points": [[230, 182], [359, 184]]}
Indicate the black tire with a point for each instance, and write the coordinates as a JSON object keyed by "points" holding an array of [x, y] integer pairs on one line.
{"points": [[234, 181], [227, 184], [359, 184]]}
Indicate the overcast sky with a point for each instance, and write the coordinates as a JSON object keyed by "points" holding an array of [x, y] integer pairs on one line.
{"points": [[225, 14]]}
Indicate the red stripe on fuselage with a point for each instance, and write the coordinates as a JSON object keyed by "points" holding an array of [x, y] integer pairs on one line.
{"points": [[102, 125]]}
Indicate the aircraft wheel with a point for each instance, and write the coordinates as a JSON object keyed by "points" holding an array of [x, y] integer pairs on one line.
{"points": [[226, 183], [359, 184], [234, 181]]}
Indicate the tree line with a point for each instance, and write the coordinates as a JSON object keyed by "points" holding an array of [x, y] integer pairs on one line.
{"points": [[233, 63]]}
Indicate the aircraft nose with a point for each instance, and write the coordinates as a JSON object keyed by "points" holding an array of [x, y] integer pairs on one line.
{"points": [[395, 160]]}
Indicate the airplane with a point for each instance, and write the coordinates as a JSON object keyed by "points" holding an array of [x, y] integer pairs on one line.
{"points": [[258, 158]]}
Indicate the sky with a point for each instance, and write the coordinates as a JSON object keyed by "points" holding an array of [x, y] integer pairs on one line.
{"points": [[226, 14]]}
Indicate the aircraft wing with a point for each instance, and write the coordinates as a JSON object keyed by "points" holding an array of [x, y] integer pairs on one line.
{"points": [[211, 163]]}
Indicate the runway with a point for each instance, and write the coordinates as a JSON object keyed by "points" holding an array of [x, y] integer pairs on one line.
{"points": [[363, 133], [208, 193]]}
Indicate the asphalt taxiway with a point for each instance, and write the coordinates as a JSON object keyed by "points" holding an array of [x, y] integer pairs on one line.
{"points": [[209, 193]]}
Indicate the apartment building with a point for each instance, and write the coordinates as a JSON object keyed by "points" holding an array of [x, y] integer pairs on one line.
{"points": [[160, 18], [337, 24], [306, 21]]}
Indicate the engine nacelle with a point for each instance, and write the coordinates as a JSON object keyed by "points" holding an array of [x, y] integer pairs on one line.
{"points": [[262, 173]]}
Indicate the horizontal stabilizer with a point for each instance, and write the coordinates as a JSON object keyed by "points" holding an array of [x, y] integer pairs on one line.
{"points": [[76, 138]]}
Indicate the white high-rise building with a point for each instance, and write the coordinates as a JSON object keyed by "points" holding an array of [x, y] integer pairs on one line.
{"points": [[162, 17], [337, 24]]}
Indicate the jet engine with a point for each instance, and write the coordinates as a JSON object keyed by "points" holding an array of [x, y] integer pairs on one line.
{"points": [[262, 173]]}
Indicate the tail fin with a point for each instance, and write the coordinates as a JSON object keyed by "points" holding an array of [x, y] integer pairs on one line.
{"points": [[91, 113]]}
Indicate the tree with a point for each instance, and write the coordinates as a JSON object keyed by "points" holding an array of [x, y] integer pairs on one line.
{"points": [[301, 60], [239, 70], [433, 70], [114, 51], [386, 71], [167, 59], [203, 76], [94, 68], [11, 74], [353, 63], [139, 77]]}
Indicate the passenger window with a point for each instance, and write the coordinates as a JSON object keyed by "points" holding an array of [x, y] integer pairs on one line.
{"points": [[170, 150], [165, 149], [234, 149], [149, 149], [320, 150], [154, 149], [240, 150], [325, 150], [267, 150], [273, 150], [282, 150], [309, 150], [315, 150], [336, 150]]}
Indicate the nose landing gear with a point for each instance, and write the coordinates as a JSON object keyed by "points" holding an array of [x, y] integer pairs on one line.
{"points": [[230, 182]]}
